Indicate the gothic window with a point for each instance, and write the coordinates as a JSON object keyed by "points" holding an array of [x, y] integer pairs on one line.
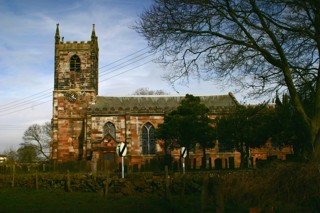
{"points": [[110, 129], [148, 139], [75, 63]]}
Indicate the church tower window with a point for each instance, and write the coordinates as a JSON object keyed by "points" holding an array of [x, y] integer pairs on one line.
{"points": [[75, 63], [148, 139], [110, 129]]}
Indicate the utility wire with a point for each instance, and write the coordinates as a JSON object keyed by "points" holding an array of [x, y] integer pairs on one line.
{"points": [[20, 102], [141, 56], [12, 102], [111, 71], [124, 57], [99, 81], [7, 108], [26, 102], [27, 99], [25, 108], [126, 71]]}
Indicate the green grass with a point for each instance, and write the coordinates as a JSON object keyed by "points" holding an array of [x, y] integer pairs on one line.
{"points": [[19, 200]]}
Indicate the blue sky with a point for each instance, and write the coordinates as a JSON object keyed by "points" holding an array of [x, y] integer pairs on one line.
{"points": [[27, 53]]}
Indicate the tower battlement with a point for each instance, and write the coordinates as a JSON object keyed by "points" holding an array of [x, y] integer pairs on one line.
{"points": [[75, 45]]}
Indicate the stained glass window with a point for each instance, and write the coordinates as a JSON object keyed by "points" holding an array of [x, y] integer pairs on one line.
{"points": [[148, 139]]}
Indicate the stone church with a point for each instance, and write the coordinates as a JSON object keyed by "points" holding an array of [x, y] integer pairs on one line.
{"points": [[86, 126]]}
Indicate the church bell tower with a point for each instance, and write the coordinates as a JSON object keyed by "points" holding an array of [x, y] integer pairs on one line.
{"points": [[75, 88]]}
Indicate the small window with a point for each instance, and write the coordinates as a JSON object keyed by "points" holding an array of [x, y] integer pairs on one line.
{"points": [[75, 63], [148, 139], [110, 129]]}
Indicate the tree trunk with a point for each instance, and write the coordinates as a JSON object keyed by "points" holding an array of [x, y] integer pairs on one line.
{"points": [[204, 158], [312, 124], [316, 145], [242, 159], [247, 157], [243, 156], [311, 145]]}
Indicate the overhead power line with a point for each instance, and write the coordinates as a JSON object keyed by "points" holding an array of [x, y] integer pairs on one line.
{"points": [[126, 63], [22, 99], [126, 71], [124, 57], [42, 97], [26, 108], [23, 103]]}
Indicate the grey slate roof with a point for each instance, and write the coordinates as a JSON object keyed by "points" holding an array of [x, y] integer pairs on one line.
{"points": [[155, 104]]}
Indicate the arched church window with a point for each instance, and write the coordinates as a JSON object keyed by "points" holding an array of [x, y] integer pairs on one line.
{"points": [[148, 139], [75, 63], [110, 129]]}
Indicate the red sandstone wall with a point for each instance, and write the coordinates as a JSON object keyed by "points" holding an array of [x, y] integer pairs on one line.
{"points": [[68, 119], [68, 116], [132, 124]]}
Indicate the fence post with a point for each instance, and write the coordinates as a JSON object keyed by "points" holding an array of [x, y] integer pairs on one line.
{"points": [[183, 179], [13, 174], [106, 184], [37, 184], [68, 185], [167, 181]]}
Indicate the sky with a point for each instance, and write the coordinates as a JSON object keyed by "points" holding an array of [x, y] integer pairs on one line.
{"points": [[27, 57]]}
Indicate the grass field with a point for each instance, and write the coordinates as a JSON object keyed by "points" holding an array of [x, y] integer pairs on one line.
{"points": [[19, 200]]}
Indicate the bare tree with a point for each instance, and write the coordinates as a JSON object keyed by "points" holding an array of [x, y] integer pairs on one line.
{"points": [[39, 137], [11, 154], [147, 91], [259, 45]]}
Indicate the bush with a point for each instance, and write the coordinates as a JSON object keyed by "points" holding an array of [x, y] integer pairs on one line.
{"points": [[286, 187]]}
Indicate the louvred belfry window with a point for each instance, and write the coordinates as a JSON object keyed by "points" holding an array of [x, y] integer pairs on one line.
{"points": [[75, 63], [148, 139]]}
